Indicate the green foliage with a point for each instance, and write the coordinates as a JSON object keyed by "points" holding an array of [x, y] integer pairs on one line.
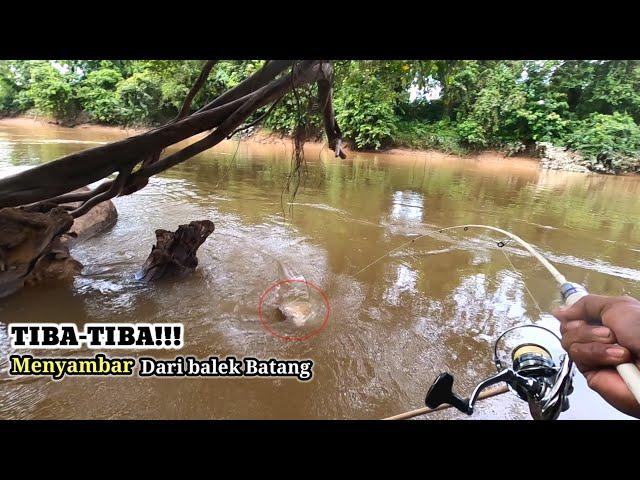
{"points": [[97, 93], [461, 105], [493, 112], [364, 106], [296, 108], [8, 95], [472, 134], [458, 79], [441, 135], [51, 91], [175, 79], [598, 86], [612, 141], [139, 97]]}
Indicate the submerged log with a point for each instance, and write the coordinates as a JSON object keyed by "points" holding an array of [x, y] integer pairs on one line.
{"points": [[174, 253], [29, 242], [35, 242], [56, 264]]}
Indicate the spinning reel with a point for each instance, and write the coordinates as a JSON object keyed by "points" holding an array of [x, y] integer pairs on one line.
{"points": [[533, 375]]}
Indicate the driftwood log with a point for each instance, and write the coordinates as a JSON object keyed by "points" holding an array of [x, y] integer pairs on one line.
{"points": [[35, 242], [30, 248], [100, 218], [174, 253]]}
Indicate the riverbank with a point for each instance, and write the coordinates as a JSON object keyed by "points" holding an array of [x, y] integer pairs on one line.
{"points": [[23, 121], [552, 158]]}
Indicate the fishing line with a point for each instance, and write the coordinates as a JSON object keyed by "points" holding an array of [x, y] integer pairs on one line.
{"points": [[521, 276], [501, 244], [550, 268]]}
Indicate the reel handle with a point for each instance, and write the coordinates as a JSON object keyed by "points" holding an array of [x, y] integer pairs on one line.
{"points": [[441, 391], [571, 293]]}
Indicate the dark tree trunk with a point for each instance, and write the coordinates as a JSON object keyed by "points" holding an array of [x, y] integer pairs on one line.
{"points": [[174, 254]]}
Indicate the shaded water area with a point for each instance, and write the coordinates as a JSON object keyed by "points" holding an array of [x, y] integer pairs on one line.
{"points": [[435, 305]]}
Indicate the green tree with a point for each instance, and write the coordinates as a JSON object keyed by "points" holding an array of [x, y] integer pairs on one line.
{"points": [[139, 97], [51, 91], [8, 90], [97, 94], [366, 97], [611, 141]]}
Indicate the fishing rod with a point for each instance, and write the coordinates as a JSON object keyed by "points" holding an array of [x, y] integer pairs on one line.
{"points": [[533, 375]]}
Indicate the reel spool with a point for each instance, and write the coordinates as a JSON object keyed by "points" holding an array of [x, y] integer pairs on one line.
{"points": [[532, 374]]}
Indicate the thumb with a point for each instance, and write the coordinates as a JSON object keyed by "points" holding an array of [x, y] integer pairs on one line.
{"points": [[589, 308], [568, 313]]}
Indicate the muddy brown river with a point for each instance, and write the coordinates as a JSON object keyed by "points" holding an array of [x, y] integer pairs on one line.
{"points": [[435, 305]]}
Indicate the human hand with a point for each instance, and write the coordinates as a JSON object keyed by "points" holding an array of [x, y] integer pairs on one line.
{"points": [[600, 332]]}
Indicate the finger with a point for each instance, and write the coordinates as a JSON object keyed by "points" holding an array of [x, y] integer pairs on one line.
{"points": [[586, 334], [566, 326], [588, 356], [623, 317], [588, 308]]}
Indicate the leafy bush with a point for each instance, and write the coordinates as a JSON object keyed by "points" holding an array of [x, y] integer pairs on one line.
{"points": [[472, 134], [97, 93], [139, 96], [290, 111], [609, 141], [441, 135], [52, 92], [365, 110], [493, 114], [8, 94]]}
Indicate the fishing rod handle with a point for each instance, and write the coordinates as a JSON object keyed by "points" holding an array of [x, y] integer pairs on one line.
{"points": [[571, 293]]}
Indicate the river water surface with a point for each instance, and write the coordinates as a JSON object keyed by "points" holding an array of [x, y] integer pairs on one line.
{"points": [[434, 305]]}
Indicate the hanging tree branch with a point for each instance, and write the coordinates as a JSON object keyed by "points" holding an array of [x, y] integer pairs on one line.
{"points": [[269, 71], [325, 95], [186, 105], [202, 78], [257, 120]]}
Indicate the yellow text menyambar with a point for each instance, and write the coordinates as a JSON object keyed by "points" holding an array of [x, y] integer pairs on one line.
{"points": [[57, 368]]}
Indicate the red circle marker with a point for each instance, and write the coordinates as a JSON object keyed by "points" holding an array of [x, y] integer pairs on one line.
{"points": [[266, 326]]}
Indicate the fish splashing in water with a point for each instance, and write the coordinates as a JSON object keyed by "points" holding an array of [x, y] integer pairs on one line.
{"points": [[297, 311], [294, 303]]}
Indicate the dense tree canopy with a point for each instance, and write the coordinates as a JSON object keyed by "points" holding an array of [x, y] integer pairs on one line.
{"points": [[457, 105]]}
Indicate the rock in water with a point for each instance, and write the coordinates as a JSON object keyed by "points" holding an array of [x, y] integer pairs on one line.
{"points": [[101, 217], [174, 253]]}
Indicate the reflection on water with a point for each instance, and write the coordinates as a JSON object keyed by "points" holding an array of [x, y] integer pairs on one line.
{"points": [[435, 305], [407, 207], [405, 281]]}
